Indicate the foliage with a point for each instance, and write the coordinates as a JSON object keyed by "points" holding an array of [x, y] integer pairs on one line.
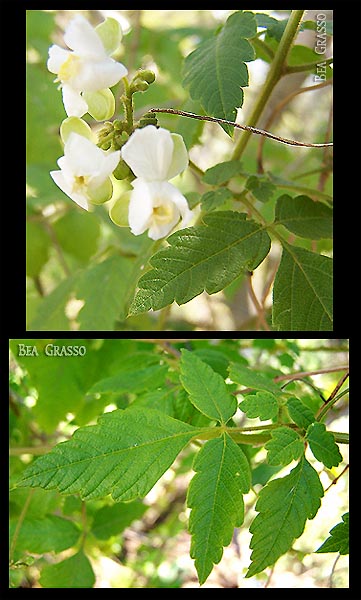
{"points": [[262, 214], [103, 430]]}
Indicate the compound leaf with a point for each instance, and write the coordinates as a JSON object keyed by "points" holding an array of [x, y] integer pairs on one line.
{"points": [[215, 497], [215, 198], [304, 217], [222, 172], [112, 520], [216, 71], [262, 405], [208, 257], [135, 380], [124, 454], [302, 293], [300, 413], [323, 445], [244, 376], [206, 388], [73, 572], [284, 505], [284, 447], [46, 534], [339, 538]]}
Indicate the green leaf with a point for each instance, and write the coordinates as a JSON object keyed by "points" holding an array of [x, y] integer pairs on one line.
{"points": [[302, 293], [37, 248], [323, 445], [249, 378], [262, 405], [104, 288], [262, 189], [47, 534], [215, 497], [338, 540], [300, 413], [304, 217], [208, 258], [284, 447], [215, 359], [73, 572], [216, 71], [112, 520], [124, 454], [206, 388], [78, 233], [284, 505], [222, 172], [134, 381], [215, 198], [50, 314]]}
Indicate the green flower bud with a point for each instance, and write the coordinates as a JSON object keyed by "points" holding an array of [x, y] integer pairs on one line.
{"points": [[122, 170], [148, 119], [105, 145], [145, 75], [138, 86]]}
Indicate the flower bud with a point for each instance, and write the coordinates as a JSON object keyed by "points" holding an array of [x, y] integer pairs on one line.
{"points": [[145, 75], [148, 119], [138, 86]]}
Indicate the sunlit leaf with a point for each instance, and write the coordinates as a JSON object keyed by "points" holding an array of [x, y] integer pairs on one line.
{"points": [[215, 497], [207, 258]]}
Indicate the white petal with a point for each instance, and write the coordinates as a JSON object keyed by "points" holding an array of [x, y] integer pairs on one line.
{"points": [[180, 158], [95, 75], [57, 56], [182, 204], [140, 207], [62, 183], [84, 156], [148, 152], [74, 104], [107, 164], [83, 39]]}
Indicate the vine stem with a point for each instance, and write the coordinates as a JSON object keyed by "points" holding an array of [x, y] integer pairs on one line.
{"points": [[334, 481], [279, 107], [332, 399], [246, 128], [274, 74]]}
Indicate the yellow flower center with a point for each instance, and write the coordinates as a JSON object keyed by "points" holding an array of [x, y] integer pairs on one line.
{"points": [[80, 183], [164, 212], [69, 68]]}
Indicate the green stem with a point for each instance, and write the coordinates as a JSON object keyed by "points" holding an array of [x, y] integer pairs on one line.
{"points": [[127, 100], [274, 74], [306, 67], [262, 434], [329, 405]]}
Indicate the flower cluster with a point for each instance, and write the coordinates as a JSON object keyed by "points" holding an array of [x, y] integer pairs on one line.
{"points": [[154, 155]]}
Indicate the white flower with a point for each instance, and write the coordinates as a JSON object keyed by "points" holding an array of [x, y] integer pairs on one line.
{"points": [[85, 171], [157, 206], [87, 68], [156, 155]]}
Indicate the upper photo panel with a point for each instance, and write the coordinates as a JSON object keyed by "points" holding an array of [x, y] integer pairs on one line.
{"points": [[179, 170]]}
